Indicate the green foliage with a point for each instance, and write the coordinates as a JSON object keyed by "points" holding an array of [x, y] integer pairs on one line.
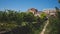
{"points": [[42, 15], [7, 27], [53, 26], [19, 22], [54, 23]]}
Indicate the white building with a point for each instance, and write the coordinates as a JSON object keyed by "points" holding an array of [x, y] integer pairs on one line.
{"points": [[50, 11]]}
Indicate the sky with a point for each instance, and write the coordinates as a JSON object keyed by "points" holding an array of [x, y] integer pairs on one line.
{"points": [[24, 5]]}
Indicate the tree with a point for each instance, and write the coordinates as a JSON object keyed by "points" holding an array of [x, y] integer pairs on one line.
{"points": [[29, 17], [54, 23], [59, 1], [58, 13]]}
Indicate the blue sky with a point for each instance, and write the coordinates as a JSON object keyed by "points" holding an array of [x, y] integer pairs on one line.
{"points": [[24, 5]]}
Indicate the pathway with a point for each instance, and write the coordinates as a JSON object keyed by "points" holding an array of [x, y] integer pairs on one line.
{"points": [[44, 28]]}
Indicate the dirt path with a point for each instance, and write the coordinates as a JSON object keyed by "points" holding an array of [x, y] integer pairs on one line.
{"points": [[44, 28]]}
